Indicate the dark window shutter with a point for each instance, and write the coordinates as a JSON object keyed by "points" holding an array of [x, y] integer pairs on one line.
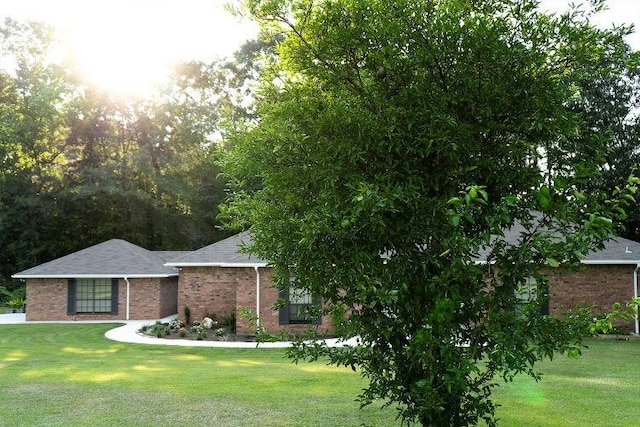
{"points": [[71, 297], [114, 296], [317, 302], [284, 311]]}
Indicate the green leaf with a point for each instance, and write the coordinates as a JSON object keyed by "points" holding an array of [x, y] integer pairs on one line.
{"points": [[574, 352], [543, 197], [553, 263]]}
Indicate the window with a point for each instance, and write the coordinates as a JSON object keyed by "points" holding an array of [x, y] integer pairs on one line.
{"points": [[93, 296], [296, 310], [529, 291]]}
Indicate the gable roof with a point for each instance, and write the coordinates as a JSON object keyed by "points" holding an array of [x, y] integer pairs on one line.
{"points": [[618, 250], [225, 253], [114, 258], [117, 258]]}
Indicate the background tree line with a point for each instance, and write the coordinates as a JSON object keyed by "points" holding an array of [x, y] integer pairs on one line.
{"points": [[79, 166]]}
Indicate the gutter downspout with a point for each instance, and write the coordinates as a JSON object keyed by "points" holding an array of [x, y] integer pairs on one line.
{"points": [[128, 290], [635, 294], [256, 268]]}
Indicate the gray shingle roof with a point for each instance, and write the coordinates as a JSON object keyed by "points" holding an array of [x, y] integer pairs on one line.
{"points": [[225, 253], [114, 258], [119, 258], [616, 251], [170, 255]]}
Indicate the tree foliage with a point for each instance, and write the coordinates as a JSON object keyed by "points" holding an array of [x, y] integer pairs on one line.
{"points": [[396, 143], [80, 166]]}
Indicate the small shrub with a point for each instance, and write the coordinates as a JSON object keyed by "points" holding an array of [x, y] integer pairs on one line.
{"points": [[160, 329], [187, 315], [175, 324], [200, 330], [147, 330], [229, 321], [221, 333], [253, 325]]}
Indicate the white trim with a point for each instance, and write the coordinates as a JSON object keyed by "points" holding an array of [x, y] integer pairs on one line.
{"points": [[610, 262], [257, 269], [584, 261], [126, 279], [91, 276], [217, 264]]}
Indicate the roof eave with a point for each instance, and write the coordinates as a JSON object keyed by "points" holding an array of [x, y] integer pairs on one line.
{"points": [[611, 262], [92, 276], [216, 264], [586, 261]]}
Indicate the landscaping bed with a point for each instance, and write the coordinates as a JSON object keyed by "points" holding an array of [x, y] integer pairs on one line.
{"points": [[206, 330], [211, 330]]}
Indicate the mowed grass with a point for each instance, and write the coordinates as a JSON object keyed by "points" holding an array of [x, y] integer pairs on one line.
{"points": [[70, 375], [601, 388]]}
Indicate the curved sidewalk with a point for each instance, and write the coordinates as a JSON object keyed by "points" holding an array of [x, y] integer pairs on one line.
{"points": [[128, 333]]}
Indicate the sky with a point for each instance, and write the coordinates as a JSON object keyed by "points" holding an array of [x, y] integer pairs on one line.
{"points": [[619, 12], [129, 46]]}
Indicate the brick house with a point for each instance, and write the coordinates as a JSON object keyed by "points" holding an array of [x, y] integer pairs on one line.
{"points": [[607, 276], [117, 280], [220, 279], [113, 280]]}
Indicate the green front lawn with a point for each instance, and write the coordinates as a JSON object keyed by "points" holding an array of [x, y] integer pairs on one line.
{"points": [[601, 388], [69, 374]]}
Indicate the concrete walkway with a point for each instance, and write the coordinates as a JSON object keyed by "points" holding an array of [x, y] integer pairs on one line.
{"points": [[128, 333]]}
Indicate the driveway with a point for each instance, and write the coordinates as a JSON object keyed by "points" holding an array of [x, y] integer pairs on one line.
{"points": [[11, 318]]}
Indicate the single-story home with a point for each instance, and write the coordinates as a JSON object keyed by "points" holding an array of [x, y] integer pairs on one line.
{"points": [[117, 280], [220, 279], [113, 280]]}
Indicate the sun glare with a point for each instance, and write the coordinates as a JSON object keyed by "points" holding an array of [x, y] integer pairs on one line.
{"points": [[120, 65], [128, 47]]}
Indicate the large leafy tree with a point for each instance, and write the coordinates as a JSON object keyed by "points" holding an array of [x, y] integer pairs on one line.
{"points": [[79, 165], [396, 143], [608, 99], [34, 91]]}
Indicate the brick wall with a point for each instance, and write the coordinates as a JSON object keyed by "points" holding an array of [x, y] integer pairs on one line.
{"points": [[168, 296], [207, 290], [599, 285], [210, 290], [47, 299], [220, 290], [150, 298]]}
